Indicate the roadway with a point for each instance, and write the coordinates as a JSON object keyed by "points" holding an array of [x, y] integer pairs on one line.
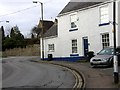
{"points": [[19, 72]]}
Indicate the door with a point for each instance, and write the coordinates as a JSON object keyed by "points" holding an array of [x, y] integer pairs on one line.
{"points": [[85, 43]]}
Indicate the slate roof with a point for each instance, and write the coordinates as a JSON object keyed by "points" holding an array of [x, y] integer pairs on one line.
{"points": [[71, 6], [53, 31], [47, 24]]}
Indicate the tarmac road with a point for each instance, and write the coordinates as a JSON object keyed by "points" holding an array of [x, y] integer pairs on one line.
{"points": [[52, 76], [94, 78], [19, 72]]}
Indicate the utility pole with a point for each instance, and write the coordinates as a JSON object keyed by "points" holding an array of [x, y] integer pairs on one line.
{"points": [[42, 32], [42, 26], [115, 60]]}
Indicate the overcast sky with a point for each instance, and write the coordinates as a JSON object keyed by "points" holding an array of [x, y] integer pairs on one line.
{"points": [[26, 14]]}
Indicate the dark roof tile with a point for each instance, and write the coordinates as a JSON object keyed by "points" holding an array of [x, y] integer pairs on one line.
{"points": [[71, 6], [46, 24], [52, 31]]}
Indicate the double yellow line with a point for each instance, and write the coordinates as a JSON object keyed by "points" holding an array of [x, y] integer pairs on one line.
{"points": [[79, 81]]}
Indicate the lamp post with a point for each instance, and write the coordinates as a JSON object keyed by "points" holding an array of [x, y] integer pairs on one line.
{"points": [[116, 75], [42, 34]]}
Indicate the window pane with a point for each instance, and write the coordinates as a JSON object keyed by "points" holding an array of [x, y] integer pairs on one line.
{"points": [[73, 21], [74, 49], [105, 40], [73, 18], [74, 46], [50, 47], [73, 25], [104, 14]]}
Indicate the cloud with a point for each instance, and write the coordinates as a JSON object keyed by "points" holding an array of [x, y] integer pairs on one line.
{"points": [[26, 19], [3, 9]]}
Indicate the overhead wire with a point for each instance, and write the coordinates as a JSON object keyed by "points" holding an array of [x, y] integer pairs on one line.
{"points": [[18, 11], [22, 10]]}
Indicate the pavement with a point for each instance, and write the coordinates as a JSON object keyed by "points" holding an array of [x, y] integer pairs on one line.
{"points": [[93, 78]]}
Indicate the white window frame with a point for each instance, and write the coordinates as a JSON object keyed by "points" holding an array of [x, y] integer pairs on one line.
{"points": [[105, 40], [51, 47], [74, 46], [104, 14], [73, 19]]}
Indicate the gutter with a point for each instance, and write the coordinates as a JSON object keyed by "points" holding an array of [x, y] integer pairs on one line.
{"points": [[51, 37]]}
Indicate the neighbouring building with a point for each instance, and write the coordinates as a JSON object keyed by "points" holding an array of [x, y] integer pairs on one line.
{"points": [[46, 25], [82, 27]]}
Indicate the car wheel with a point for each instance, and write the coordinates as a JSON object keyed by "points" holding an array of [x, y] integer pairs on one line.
{"points": [[92, 66], [110, 63]]}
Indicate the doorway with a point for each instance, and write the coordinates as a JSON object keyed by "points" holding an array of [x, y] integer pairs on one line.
{"points": [[85, 46]]}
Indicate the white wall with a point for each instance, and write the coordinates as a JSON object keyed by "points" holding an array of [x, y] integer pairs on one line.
{"points": [[88, 25], [57, 48]]}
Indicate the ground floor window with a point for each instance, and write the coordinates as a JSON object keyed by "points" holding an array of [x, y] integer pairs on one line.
{"points": [[74, 46], [105, 40], [50, 47]]}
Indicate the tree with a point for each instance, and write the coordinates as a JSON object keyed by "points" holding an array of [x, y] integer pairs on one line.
{"points": [[9, 43], [2, 37], [16, 39], [32, 36], [12, 33], [36, 31], [17, 36], [2, 32], [15, 32]]}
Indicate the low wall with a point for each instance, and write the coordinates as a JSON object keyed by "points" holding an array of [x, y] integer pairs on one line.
{"points": [[31, 50]]}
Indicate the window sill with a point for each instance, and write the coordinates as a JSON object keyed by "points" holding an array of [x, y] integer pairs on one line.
{"points": [[72, 55], [103, 24], [51, 51], [73, 29]]}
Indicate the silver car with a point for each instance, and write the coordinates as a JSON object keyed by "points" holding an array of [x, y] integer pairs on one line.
{"points": [[104, 57]]}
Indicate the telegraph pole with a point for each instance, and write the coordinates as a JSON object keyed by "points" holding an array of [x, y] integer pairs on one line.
{"points": [[42, 32], [115, 60], [42, 26]]}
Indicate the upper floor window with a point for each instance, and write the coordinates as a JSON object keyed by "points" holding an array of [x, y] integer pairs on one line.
{"points": [[73, 21], [104, 14]]}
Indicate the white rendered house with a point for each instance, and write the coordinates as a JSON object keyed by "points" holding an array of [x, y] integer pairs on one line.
{"points": [[83, 27]]}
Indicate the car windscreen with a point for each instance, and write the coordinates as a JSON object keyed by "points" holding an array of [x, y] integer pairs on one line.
{"points": [[107, 51]]}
